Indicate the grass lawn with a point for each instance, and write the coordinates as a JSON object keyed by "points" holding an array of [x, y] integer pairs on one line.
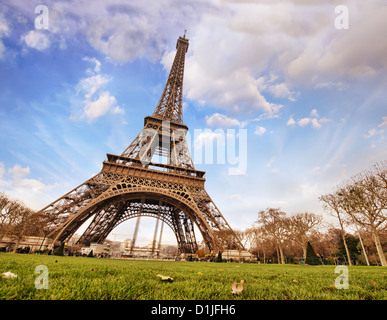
{"points": [[92, 278]]}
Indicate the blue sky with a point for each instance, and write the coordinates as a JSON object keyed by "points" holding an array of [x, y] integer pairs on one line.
{"points": [[311, 97]]}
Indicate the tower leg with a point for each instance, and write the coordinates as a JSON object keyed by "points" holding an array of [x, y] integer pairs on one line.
{"points": [[156, 229], [136, 227], [161, 234]]}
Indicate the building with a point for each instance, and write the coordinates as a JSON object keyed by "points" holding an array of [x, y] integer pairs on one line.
{"points": [[97, 248], [238, 255], [29, 243]]}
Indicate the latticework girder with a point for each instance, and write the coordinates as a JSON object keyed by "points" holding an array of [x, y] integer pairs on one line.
{"points": [[133, 184]]}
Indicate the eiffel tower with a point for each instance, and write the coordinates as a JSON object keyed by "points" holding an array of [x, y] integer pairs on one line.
{"points": [[133, 184]]}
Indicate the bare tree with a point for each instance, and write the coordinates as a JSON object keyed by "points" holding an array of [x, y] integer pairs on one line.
{"points": [[364, 202], [18, 221], [226, 239], [300, 225], [331, 203], [243, 236], [275, 224], [8, 215], [25, 220]]}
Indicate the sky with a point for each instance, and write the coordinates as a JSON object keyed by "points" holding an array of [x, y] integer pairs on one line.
{"points": [[300, 85]]}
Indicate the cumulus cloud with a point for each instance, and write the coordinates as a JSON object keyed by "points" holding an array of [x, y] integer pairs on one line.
{"points": [[19, 172], [260, 130], [17, 183], [96, 102], [90, 85], [100, 106], [295, 40], [303, 122], [97, 67], [336, 57], [281, 90], [126, 30], [235, 92], [220, 120], [291, 121], [36, 39], [314, 120]]}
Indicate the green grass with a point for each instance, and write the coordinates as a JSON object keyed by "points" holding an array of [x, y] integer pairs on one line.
{"points": [[92, 278]]}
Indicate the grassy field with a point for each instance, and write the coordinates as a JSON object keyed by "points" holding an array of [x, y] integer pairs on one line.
{"points": [[92, 278]]}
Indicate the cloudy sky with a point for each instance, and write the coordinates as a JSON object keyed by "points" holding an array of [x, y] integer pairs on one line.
{"points": [[309, 97]]}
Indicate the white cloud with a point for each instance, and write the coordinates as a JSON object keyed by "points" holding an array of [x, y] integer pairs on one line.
{"points": [[4, 31], [314, 120], [18, 172], [314, 113], [220, 120], [91, 84], [237, 91], [303, 122], [99, 107], [17, 185], [371, 133], [260, 130], [315, 123], [293, 41], [97, 102], [374, 131], [281, 90], [310, 52], [384, 122], [291, 121], [97, 67], [36, 39], [125, 31], [118, 110], [2, 170], [333, 58]]}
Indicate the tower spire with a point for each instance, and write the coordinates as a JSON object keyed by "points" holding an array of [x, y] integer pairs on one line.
{"points": [[170, 106]]}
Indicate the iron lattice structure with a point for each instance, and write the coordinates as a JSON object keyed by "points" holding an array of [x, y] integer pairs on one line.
{"points": [[132, 185]]}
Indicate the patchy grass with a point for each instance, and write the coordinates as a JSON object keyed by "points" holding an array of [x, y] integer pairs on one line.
{"points": [[90, 278]]}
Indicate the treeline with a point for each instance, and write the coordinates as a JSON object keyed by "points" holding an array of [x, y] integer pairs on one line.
{"points": [[18, 221], [360, 203], [277, 237]]}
